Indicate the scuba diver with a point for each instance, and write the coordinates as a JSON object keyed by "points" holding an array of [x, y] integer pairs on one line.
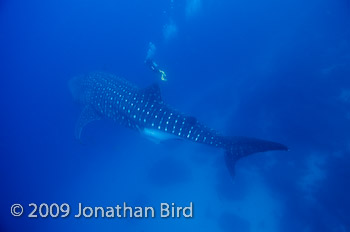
{"points": [[153, 65]]}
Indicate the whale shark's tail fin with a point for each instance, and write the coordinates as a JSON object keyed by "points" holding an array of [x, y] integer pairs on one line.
{"points": [[238, 147]]}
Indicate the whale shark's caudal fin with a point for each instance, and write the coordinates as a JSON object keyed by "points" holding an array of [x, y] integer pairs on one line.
{"points": [[238, 147]]}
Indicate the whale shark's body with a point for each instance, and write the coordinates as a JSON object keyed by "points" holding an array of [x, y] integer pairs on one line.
{"points": [[105, 96]]}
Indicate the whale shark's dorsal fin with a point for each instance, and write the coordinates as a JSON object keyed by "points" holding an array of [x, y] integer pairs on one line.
{"points": [[191, 120], [87, 115], [152, 93]]}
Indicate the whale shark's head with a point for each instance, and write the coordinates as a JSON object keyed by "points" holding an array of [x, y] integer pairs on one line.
{"points": [[76, 87]]}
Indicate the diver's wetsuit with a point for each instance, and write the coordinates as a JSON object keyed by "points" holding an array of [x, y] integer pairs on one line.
{"points": [[154, 66]]}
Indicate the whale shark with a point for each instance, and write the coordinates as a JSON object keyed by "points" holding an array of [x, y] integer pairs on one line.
{"points": [[106, 96]]}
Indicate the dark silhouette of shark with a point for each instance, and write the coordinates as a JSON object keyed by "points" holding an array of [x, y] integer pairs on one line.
{"points": [[105, 96]]}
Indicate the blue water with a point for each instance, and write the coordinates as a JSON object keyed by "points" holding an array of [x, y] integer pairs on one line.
{"points": [[277, 70]]}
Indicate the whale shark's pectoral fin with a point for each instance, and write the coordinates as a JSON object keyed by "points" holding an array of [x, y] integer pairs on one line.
{"points": [[152, 94], [157, 136], [87, 115]]}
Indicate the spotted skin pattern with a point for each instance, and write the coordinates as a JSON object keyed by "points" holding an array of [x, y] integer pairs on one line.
{"points": [[106, 96], [115, 98]]}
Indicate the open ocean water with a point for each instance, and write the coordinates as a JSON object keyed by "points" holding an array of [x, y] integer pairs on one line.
{"points": [[275, 70]]}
